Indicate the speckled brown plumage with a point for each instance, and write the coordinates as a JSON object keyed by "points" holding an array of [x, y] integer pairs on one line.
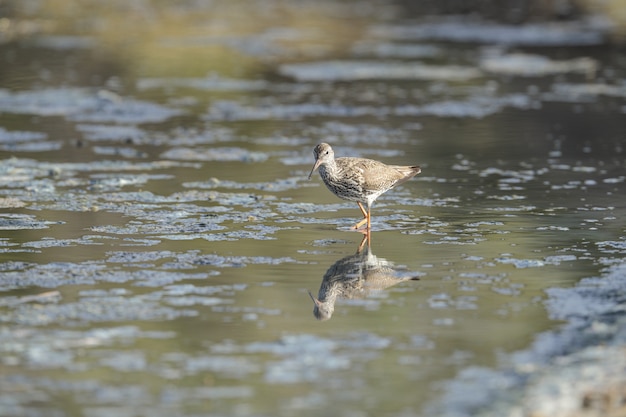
{"points": [[359, 179]]}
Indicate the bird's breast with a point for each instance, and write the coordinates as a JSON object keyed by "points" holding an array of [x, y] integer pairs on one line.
{"points": [[343, 184]]}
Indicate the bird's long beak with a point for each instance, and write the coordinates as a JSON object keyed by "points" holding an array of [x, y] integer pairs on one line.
{"points": [[315, 300], [315, 166]]}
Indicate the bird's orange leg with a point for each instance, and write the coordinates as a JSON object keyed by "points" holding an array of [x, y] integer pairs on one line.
{"points": [[365, 217]]}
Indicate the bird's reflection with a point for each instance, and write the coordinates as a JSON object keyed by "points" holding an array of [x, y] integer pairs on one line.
{"points": [[356, 276]]}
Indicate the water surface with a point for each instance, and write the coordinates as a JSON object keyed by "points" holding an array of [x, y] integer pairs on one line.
{"points": [[160, 236]]}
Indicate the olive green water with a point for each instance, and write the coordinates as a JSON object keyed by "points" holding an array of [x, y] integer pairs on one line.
{"points": [[159, 234]]}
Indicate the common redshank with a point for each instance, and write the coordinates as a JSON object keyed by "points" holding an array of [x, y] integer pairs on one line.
{"points": [[359, 179]]}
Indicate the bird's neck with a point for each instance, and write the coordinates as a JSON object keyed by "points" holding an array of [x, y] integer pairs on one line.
{"points": [[329, 170]]}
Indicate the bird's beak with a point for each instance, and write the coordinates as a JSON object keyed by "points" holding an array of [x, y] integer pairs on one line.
{"points": [[315, 166], [315, 300]]}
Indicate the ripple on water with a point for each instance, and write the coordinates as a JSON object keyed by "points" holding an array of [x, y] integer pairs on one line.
{"points": [[211, 82], [396, 50], [475, 106], [214, 154], [25, 174], [65, 42], [521, 263], [612, 246], [26, 141], [367, 70], [53, 242], [569, 92], [104, 309], [582, 32], [15, 221], [84, 105], [98, 132], [58, 274], [33, 348], [280, 184], [536, 65], [305, 358]]}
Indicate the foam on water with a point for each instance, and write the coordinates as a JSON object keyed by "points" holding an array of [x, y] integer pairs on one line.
{"points": [[561, 368]]}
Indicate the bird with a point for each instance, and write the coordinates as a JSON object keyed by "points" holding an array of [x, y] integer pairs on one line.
{"points": [[359, 179]]}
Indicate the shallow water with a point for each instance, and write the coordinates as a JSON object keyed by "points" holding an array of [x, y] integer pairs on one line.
{"points": [[160, 236]]}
